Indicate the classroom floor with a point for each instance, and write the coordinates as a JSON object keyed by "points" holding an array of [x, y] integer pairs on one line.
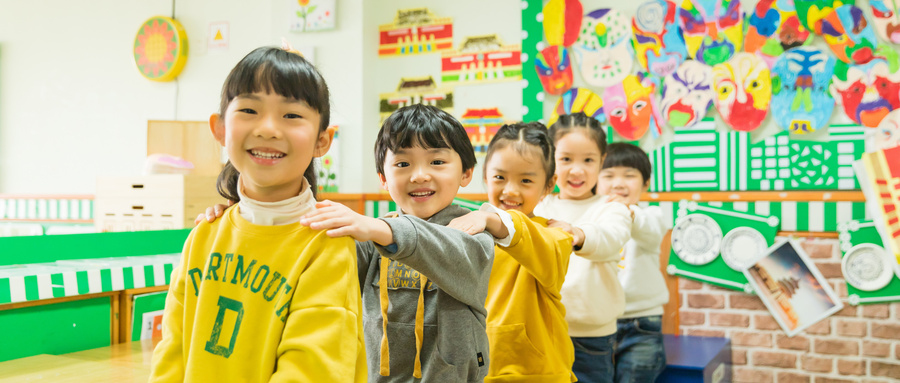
{"points": [[123, 362]]}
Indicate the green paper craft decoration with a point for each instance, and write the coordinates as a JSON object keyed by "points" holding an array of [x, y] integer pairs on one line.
{"points": [[532, 43], [717, 272], [852, 233]]}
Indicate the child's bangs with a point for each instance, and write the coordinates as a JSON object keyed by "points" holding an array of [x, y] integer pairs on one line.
{"points": [[279, 77], [426, 136]]}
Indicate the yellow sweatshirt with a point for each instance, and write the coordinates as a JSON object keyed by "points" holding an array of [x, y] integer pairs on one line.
{"points": [[527, 331], [253, 303]]}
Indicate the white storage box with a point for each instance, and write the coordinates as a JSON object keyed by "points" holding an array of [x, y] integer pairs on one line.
{"points": [[152, 202]]}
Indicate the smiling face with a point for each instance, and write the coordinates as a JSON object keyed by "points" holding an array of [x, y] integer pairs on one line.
{"points": [[801, 102], [849, 35], [629, 108], [713, 29], [578, 161], [423, 181], [270, 140], [553, 69], [687, 94], [658, 43], [868, 92], [743, 90], [516, 180], [623, 181], [886, 17], [603, 48]]}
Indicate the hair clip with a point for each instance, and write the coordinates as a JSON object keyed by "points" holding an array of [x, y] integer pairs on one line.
{"points": [[285, 45]]}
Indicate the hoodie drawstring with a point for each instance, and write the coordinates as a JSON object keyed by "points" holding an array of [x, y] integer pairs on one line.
{"points": [[385, 369]]}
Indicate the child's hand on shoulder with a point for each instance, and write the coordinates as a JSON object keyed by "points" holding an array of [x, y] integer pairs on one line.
{"points": [[212, 213], [340, 220], [471, 223], [577, 234]]}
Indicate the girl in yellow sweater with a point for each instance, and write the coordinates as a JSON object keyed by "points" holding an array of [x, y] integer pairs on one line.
{"points": [[257, 296], [526, 326]]}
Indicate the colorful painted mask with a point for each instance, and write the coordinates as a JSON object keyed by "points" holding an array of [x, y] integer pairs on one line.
{"points": [[713, 29], [801, 102], [743, 91], [603, 49], [552, 65], [687, 94], [658, 43], [887, 135], [578, 100], [886, 17], [772, 28], [849, 35], [562, 20], [811, 12], [630, 108], [868, 92]]}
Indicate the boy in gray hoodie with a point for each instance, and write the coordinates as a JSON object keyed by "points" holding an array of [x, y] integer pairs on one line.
{"points": [[423, 284]]}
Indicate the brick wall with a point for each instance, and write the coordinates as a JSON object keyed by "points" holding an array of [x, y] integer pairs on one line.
{"points": [[857, 344]]}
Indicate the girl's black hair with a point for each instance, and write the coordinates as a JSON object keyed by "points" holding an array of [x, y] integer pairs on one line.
{"points": [[630, 156], [274, 70], [425, 126], [567, 123], [525, 137]]}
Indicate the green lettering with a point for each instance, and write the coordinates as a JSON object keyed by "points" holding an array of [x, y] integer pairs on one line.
{"points": [[195, 275], [287, 289], [275, 277], [212, 345], [228, 258], [245, 273], [215, 260], [256, 288]]}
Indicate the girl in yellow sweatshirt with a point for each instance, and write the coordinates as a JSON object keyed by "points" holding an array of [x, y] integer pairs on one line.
{"points": [[526, 326], [257, 296]]}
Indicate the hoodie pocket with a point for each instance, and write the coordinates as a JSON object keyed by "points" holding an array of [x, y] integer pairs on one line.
{"points": [[512, 352]]}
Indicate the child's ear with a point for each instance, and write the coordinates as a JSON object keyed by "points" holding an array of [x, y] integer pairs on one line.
{"points": [[646, 186], [466, 177], [324, 142], [549, 188], [383, 182], [217, 127]]}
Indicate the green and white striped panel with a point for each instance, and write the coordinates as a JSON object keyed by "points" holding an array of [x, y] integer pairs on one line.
{"points": [[795, 216], [700, 158], [41, 208], [377, 209]]}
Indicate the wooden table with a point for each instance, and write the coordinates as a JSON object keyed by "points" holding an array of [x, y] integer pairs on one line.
{"points": [[123, 362]]}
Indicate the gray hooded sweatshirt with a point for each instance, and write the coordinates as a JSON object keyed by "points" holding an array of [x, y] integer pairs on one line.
{"points": [[456, 268]]}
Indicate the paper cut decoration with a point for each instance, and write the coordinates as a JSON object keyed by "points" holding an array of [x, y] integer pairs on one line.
{"points": [[743, 90], [868, 92], [415, 31], [631, 107], [867, 267], [482, 59], [792, 288], [603, 48], [481, 126], [887, 135], [855, 234], [696, 239], [554, 69], [713, 30], [886, 17], [701, 158], [658, 43], [879, 178], [801, 101], [312, 15], [811, 12], [420, 90], [687, 94], [849, 35], [160, 48], [562, 21], [772, 28], [578, 100]]}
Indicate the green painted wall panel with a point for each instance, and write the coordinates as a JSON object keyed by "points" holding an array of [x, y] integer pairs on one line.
{"points": [[55, 329]]}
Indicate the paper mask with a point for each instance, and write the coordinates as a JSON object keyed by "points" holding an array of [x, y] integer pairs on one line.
{"points": [[811, 12], [847, 32], [743, 91], [603, 49], [772, 28], [578, 100], [552, 66], [562, 21], [868, 92], [658, 43], [713, 30], [801, 102], [887, 135], [886, 17], [687, 94], [630, 108]]}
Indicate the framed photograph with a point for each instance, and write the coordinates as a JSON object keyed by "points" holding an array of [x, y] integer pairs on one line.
{"points": [[791, 287]]}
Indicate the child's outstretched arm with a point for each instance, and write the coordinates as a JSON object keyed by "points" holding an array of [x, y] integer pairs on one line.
{"points": [[649, 228], [542, 251], [478, 221], [607, 229], [340, 220]]}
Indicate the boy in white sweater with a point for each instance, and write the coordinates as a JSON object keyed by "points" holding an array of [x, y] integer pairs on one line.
{"points": [[639, 355]]}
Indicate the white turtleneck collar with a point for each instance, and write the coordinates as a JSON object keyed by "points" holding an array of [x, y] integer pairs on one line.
{"points": [[276, 213]]}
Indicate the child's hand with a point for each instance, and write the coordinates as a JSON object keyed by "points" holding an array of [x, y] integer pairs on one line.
{"points": [[577, 234], [212, 213], [621, 200], [340, 220], [471, 223]]}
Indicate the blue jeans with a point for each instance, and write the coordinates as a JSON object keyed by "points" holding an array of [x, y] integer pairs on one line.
{"points": [[640, 356], [594, 359]]}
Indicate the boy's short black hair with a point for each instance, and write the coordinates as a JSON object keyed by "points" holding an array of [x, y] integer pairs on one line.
{"points": [[629, 156], [425, 126]]}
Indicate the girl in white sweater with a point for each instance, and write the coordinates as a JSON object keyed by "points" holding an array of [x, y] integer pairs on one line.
{"points": [[591, 292]]}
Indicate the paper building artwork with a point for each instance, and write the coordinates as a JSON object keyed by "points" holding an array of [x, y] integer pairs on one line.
{"points": [[631, 107], [415, 31], [312, 15], [554, 69], [849, 35], [713, 29], [744, 90], [328, 166], [801, 101], [482, 59], [658, 43], [481, 125], [701, 158], [421, 90], [687, 94], [886, 18], [603, 49], [868, 92], [879, 178], [772, 28], [578, 100], [562, 21]]}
